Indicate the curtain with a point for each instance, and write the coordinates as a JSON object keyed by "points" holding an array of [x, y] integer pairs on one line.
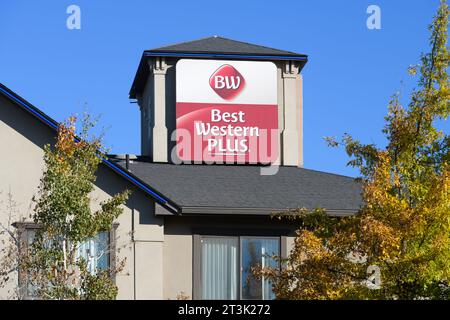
{"points": [[219, 268]]}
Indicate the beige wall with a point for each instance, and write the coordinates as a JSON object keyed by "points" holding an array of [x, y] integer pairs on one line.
{"points": [[20, 167], [22, 138], [177, 260]]}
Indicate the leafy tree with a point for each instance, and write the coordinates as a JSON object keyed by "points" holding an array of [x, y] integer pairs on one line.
{"points": [[63, 212], [403, 227]]}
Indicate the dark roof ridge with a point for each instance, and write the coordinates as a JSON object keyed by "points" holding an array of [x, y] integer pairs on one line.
{"points": [[178, 43], [227, 39], [262, 46]]}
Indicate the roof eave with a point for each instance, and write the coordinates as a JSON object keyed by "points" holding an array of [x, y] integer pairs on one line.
{"points": [[199, 210], [203, 54]]}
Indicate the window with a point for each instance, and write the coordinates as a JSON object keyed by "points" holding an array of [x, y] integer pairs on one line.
{"points": [[254, 252], [219, 268], [225, 265], [97, 251]]}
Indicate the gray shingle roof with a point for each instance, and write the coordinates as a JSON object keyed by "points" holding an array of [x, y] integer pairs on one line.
{"points": [[242, 187], [218, 44]]}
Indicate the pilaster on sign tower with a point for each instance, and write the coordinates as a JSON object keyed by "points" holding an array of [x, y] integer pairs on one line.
{"points": [[292, 133], [158, 69]]}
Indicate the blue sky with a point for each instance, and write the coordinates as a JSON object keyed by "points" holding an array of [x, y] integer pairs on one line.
{"points": [[351, 73]]}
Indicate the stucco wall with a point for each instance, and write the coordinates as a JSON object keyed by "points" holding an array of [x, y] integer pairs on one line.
{"points": [[22, 138]]}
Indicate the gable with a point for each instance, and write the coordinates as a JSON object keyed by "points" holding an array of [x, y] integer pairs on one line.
{"points": [[24, 132]]}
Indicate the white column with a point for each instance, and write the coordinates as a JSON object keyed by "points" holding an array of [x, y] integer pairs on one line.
{"points": [[291, 144], [280, 103], [159, 130], [299, 106]]}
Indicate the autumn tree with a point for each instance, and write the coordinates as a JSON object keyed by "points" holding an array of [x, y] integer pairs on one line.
{"points": [[403, 227], [63, 211]]}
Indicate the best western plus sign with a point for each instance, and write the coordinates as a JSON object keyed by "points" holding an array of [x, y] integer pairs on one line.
{"points": [[227, 111]]}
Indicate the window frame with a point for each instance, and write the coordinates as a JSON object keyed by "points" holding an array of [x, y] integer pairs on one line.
{"points": [[24, 227], [281, 235]]}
